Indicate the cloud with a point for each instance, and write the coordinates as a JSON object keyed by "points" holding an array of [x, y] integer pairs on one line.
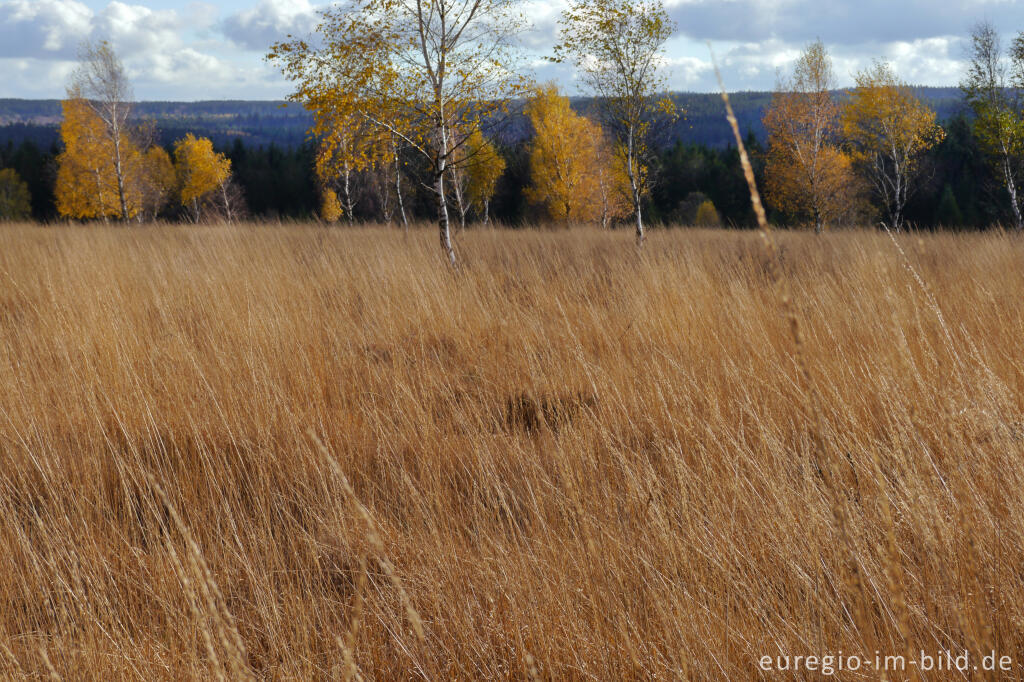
{"points": [[54, 29], [134, 29], [756, 39], [270, 21], [836, 22], [34, 78], [168, 53], [927, 60], [46, 29], [194, 50], [756, 66]]}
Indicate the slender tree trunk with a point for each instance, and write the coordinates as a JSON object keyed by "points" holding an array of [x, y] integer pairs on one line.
{"points": [[896, 213], [603, 186], [1011, 187], [634, 184], [460, 205], [397, 185], [487, 211], [382, 184], [119, 172], [227, 202], [442, 201], [347, 189], [817, 200], [640, 235], [442, 219], [899, 190]]}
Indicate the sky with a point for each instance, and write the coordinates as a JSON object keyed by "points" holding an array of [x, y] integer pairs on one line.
{"points": [[196, 49]]}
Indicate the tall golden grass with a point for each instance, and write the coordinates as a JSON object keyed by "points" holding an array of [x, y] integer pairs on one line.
{"points": [[295, 452]]}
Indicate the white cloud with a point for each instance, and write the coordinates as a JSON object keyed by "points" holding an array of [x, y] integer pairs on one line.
{"points": [[687, 72], [196, 50], [270, 21], [134, 29], [756, 39], [42, 28], [34, 78], [838, 22], [170, 53], [927, 60]]}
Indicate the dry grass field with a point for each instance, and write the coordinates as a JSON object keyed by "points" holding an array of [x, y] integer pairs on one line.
{"points": [[306, 453]]}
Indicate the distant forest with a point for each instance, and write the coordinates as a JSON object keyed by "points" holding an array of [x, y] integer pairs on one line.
{"points": [[272, 159]]}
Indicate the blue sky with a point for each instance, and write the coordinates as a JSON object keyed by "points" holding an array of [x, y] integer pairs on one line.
{"points": [[198, 49]]}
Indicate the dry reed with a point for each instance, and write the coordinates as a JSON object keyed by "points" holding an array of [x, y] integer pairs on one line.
{"points": [[565, 461]]}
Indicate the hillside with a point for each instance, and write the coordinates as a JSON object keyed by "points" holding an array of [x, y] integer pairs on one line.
{"points": [[262, 123], [256, 122]]}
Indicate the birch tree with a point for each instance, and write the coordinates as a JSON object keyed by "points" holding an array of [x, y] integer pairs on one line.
{"points": [[807, 173], [888, 129], [998, 124], [204, 176], [346, 146], [487, 167], [101, 82], [86, 184], [418, 69], [156, 182], [572, 168], [618, 47], [475, 177]]}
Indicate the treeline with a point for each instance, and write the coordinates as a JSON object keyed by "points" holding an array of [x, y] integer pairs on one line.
{"points": [[958, 186], [276, 181]]}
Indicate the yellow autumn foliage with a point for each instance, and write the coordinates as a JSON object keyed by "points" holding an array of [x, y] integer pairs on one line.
{"points": [[200, 170], [485, 167], [707, 215], [159, 179], [574, 174], [330, 207], [807, 173], [887, 129], [86, 181], [86, 187]]}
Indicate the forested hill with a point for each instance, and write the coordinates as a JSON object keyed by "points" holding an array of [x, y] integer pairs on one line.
{"points": [[259, 123], [704, 122]]}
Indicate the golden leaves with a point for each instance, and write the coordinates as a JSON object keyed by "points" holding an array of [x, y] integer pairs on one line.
{"points": [[883, 117], [574, 175], [807, 174], [330, 207], [484, 167], [200, 169], [86, 178], [87, 185]]}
